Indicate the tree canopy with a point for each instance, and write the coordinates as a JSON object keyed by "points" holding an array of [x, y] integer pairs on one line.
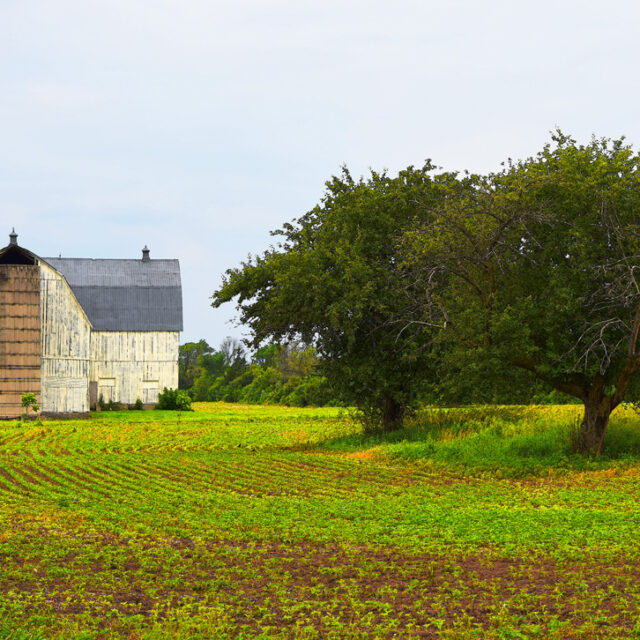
{"points": [[535, 267], [333, 281], [188, 361], [274, 374]]}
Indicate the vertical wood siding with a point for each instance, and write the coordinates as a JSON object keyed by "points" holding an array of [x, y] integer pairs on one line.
{"points": [[66, 347], [128, 365], [19, 336]]}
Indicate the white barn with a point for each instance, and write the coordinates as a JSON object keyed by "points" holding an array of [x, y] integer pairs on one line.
{"points": [[73, 330]]}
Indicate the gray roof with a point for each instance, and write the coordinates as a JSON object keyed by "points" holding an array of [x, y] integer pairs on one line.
{"points": [[125, 295]]}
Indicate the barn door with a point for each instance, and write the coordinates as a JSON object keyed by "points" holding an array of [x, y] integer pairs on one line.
{"points": [[93, 395], [150, 391], [107, 389]]}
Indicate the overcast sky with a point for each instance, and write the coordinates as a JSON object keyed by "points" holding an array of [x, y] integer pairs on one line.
{"points": [[196, 127]]}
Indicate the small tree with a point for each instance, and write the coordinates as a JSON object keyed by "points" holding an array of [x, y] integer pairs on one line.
{"points": [[29, 400]]}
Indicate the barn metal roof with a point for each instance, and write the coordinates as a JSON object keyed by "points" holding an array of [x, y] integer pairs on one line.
{"points": [[125, 295]]}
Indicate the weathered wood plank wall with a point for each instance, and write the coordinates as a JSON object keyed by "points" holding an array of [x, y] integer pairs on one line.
{"points": [[20, 360], [128, 365], [66, 344]]}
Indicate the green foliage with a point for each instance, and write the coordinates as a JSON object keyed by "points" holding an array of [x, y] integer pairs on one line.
{"points": [[29, 401], [333, 281], [139, 405], [273, 522], [211, 367], [265, 356], [456, 287], [533, 267], [174, 400], [219, 369], [278, 374], [188, 362], [112, 405]]}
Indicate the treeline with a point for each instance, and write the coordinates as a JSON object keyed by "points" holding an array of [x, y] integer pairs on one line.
{"points": [[290, 374], [275, 374]]}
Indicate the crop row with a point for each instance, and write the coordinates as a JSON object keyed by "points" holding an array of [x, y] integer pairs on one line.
{"points": [[219, 524]]}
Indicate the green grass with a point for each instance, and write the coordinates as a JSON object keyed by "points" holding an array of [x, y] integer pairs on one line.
{"points": [[268, 522], [503, 441]]}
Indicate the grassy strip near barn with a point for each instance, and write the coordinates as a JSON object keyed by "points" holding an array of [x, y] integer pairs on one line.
{"points": [[268, 522]]}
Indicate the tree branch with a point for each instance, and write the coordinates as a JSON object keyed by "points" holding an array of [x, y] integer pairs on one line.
{"points": [[572, 388]]}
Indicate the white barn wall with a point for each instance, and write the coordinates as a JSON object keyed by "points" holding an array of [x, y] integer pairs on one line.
{"points": [[66, 346], [131, 365]]}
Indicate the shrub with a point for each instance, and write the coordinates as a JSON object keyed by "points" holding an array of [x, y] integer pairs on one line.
{"points": [[29, 400], [112, 405], [138, 405], [174, 400]]}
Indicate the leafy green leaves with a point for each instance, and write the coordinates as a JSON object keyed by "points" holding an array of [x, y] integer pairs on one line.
{"points": [[333, 281], [402, 282], [536, 266]]}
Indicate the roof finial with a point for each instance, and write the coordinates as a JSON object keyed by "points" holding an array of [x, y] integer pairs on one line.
{"points": [[145, 254], [13, 237]]}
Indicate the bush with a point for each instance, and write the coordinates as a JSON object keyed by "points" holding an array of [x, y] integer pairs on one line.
{"points": [[29, 400], [174, 400], [138, 405], [112, 405]]}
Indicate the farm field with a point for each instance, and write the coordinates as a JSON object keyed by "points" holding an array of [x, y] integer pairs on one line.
{"points": [[273, 522]]}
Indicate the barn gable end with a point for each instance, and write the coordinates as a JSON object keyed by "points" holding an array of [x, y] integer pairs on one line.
{"points": [[131, 365], [66, 347]]}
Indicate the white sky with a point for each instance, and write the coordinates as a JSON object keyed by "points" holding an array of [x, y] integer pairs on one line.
{"points": [[196, 127]]}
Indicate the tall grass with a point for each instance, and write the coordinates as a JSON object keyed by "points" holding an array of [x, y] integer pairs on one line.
{"points": [[508, 441]]}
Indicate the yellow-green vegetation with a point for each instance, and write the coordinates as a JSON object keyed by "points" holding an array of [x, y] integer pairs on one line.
{"points": [[267, 522]]}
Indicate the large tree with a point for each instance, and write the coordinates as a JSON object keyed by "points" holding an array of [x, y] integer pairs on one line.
{"points": [[536, 267], [333, 281]]}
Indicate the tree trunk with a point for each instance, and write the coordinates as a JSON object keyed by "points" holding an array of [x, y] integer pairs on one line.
{"points": [[590, 437], [393, 413]]}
